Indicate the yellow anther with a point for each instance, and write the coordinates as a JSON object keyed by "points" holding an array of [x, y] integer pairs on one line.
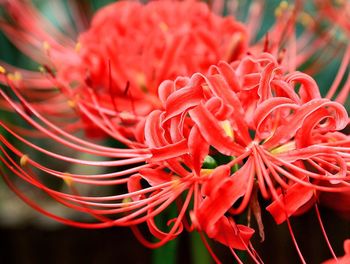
{"points": [[206, 172], [16, 76], [227, 128], [67, 178], [141, 81], [194, 220], [41, 69], [283, 6], [305, 19], [126, 115], [127, 200], [284, 148], [339, 2], [164, 27], [332, 139], [77, 47], [235, 42], [23, 161], [2, 70], [205, 87], [46, 46], [278, 12], [71, 103], [175, 182]]}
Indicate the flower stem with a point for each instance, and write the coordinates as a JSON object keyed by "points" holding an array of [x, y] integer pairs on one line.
{"points": [[200, 254]]}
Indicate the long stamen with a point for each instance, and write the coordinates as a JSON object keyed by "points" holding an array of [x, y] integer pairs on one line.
{"points": [[236, 256], [307, 183], [234, 227], [295, 241], [127, 220], [48, 214], [306, 173], [341, 71], [261, 181], [51, 125], [344, 93], [207, 246], [324, 232], [173, 229]]}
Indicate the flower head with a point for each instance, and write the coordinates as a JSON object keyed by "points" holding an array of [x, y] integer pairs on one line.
{"points": [[275, 140], [118, 76]]}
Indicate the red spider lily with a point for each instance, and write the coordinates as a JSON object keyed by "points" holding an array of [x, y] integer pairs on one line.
{"points": [[280, 141], [346, 258], [116, 78], [284, 143]]}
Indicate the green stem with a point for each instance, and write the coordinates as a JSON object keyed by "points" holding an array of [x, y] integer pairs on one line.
{"points": [[169, 252], [200, 254], [166, 254]]}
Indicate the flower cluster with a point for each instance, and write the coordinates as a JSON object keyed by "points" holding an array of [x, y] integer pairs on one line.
{"points": [[212, 124], [278, 142]]}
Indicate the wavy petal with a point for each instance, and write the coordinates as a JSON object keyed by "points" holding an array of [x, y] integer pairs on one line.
{"points": [[213, 133], [296, 196]]}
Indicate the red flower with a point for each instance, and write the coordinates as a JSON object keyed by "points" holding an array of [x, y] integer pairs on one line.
{"points": [[117, 77], [263, 125], [276, 140], [343, 260], [267, 137]]}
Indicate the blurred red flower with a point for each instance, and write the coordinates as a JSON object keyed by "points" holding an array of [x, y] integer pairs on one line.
{"points": [[116, 66], [343, 260]]}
